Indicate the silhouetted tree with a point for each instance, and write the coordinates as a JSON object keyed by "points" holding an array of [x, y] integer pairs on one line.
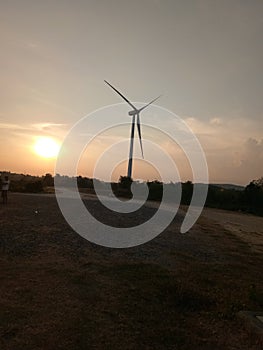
{"points": [[48, 180], [187, 192], [125, 182], [254, 196], [155, 190]]}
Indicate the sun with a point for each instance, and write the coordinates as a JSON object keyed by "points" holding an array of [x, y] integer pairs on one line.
{"points": [[46, 147]]}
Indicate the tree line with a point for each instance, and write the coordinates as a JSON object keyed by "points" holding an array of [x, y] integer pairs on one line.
{"points": [[249, 199]]}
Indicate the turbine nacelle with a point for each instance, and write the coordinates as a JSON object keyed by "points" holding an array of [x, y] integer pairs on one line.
{"points": [[133, 112]]}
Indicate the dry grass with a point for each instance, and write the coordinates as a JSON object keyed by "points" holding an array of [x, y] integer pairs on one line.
{"points": [[59, 291]]}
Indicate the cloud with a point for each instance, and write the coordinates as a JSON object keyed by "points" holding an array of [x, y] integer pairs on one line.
{"points": [[251, 156], [31, 127], [10, 126], [47, 126], [234, 148], [25, 134]]}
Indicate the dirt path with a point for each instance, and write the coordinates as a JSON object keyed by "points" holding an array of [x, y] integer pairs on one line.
{"points": [[249, 228]]}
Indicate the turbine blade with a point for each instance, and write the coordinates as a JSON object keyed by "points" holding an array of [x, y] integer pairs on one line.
{"points": [[149, 104], [139, 132], [118, 92]]}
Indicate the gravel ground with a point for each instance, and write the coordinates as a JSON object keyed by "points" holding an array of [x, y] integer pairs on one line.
{"points": [[178, 291]]}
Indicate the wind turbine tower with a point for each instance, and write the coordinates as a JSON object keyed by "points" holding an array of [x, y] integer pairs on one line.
{"points": [[135, 114]]}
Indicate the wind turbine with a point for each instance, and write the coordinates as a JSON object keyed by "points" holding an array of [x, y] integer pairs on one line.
{"points": [[135, 113]]}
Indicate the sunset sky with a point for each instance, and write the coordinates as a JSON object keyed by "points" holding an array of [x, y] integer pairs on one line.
{"points": [[204, 57]]}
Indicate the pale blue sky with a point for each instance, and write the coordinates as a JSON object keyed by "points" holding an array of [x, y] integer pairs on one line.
{"points": [[205, 57]]}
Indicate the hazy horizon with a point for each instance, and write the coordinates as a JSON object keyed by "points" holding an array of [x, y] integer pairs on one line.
{"points": [[6, 172]]}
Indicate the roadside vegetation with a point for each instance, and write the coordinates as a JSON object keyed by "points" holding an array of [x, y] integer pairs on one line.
{"points": [[229, 197]]}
